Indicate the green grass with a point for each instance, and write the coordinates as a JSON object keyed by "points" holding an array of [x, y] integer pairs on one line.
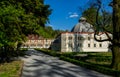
{"points": [[12, 69], [100, 58]]}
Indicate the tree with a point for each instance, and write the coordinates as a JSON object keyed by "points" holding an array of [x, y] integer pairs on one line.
{"points": [[10, 33], [107, 23], [116, 35], [49, 32], [90, 14], [17, 20], [36, 7], [115, 47]]}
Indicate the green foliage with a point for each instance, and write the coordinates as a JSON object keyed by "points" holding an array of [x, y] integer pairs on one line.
{"points": [[103, 59], [96, 67], [104, 19], [37, 7], [48, 32], [18, 19], [9, 19], [90, 15]]}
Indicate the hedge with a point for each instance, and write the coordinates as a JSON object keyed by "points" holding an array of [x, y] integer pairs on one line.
{"points": [[92, 66]]}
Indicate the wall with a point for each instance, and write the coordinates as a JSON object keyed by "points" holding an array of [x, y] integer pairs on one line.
{"points": [[83, 42]]}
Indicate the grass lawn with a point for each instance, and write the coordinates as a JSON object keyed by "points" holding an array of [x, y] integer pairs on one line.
{"points": [[12, 69], [102, 58]]}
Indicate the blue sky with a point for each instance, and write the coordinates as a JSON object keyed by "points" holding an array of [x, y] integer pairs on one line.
{"points": [[65, 13]]}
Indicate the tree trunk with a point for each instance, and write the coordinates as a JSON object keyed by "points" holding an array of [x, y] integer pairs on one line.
{"points": [[116, 35]]}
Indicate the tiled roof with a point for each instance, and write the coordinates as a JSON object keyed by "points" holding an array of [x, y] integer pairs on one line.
{"points": [[33, 36]]}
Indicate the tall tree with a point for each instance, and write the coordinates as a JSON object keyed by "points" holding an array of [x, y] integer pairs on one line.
{"points": [[116, 35], [108, 23], [104, 17], [18, 19], [115, 47], [10, 31], [37, 7], [90, 14]]}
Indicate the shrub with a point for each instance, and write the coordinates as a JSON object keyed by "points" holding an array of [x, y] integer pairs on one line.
{"points": [[92, 66]]}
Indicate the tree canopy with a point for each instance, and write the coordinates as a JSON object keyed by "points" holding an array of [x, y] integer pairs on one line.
{"points": [[18, 18], [104, 18], [109, 23], [49, 32]]}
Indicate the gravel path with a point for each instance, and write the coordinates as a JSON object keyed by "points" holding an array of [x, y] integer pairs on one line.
{"points": [[38, 64]]}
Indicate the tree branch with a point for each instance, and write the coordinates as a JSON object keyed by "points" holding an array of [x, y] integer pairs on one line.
{"points": [[98, 24]]}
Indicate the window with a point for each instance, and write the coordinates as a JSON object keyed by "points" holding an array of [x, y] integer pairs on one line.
{"points": [[94, 45], [100, 38], [32, 38], [88, 45], [70, 38], [33, 45], [79, 38], [70, 45], [100, 45], [40, 45], [88, 38], [46, 40], [46, 45]]}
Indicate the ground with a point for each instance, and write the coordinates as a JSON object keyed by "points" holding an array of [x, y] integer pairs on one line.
{"points": [[38, 64]]}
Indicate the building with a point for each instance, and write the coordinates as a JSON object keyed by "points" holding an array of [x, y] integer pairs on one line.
{"points": [[81, 39], [35, 41], [80, 42], [82, 26]]}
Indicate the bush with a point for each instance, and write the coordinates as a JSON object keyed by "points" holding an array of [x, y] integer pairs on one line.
{"points": [[22, 51]]}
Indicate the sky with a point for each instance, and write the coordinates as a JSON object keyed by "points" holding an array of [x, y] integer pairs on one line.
{"points": [[65, 13]]}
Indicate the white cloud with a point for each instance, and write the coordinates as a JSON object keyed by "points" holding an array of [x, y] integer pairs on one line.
{"points": [[73, 15]]}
